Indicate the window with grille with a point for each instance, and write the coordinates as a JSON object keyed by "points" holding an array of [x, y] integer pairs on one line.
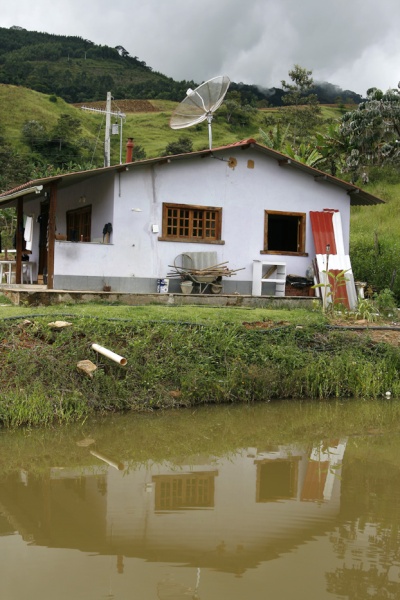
{"points": [[79, 224], [183, 222], [174, 492]]}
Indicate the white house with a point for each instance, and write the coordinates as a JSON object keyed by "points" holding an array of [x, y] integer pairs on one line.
{"points": [[123, 226]]}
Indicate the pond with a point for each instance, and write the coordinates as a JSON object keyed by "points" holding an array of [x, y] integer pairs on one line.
{"points": [[214, 503]]}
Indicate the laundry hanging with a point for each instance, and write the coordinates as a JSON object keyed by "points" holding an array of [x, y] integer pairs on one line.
{"points": [[28, 233]]}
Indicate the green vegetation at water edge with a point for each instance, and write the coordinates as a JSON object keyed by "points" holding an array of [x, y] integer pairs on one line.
{"points": [[175, 364]]}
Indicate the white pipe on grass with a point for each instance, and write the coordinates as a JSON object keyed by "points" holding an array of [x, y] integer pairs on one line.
{"points": [[109, 354]]}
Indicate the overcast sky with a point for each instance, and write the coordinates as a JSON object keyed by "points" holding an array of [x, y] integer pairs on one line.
{"points": [[351, 43]]}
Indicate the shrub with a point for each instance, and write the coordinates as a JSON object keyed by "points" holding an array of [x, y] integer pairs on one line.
{"points": [[385, 302]]}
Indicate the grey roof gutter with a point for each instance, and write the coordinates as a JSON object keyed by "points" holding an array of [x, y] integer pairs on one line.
{"points": [[37, 189]]}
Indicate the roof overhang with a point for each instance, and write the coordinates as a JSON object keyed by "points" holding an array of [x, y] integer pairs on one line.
{"points": [[358, 196], [34, 189]]}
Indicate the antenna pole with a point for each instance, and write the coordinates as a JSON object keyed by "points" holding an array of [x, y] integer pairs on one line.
{"points": [[108, 113], [107, 136], [209, 121], [120, 141]]}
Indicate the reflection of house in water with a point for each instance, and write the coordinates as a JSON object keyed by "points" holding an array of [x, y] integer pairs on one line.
{"points": [[188, 490], [229, 513], [280, 478]]}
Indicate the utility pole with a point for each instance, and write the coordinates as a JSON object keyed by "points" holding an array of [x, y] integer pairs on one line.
{"points": [[108, 112], [107, 149]]}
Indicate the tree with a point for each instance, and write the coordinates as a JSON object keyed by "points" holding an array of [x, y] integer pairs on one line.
{"points": [[372, 131], [67, 129], [333, 147], [62, 146], [15, 169], [8, 221], [303, 111], [121, 51], [34, 133], [182, 145], [139, 153], [236, 113], [275, 138], [304, 153]]}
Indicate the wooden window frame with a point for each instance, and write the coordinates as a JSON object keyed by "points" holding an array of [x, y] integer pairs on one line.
{"points": [[292, 480], [83, 230], [184, 491], [301, 234], [186, 218]]}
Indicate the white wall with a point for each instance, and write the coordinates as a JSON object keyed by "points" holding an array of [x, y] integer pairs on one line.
{"points": [[91, 259], [243, 193], [97, 192]]}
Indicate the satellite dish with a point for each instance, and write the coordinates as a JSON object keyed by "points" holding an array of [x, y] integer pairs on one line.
{"points": [[200, 104]]}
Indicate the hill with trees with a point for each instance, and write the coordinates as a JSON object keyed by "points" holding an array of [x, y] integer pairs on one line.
{"points": [[79, 70]]}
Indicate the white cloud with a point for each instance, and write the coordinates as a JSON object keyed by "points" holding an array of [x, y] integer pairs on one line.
{"points": [[353, 44]]}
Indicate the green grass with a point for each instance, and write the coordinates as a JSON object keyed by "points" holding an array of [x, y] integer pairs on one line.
{"points": [[179, 358], [191, 314], [18, 104], [383, 219], [374, 238]]}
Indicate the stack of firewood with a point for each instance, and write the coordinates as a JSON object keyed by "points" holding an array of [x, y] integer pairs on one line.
{"points": [[212, 273]]}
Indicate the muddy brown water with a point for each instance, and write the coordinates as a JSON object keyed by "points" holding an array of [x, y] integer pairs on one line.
{"points": [[197, 504]]}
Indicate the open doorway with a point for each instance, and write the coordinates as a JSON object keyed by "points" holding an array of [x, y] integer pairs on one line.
{"points": [[43, 241]]}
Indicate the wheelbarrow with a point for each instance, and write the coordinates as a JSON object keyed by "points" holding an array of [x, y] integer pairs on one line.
{"points": [[201, 268], [208, 278]]}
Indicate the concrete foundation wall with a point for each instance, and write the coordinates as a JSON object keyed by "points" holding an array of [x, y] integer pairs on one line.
{"points": [[25, 297], [147, 285]]}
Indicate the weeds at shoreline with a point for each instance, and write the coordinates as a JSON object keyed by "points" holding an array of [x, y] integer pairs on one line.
{"points": [[172, 365]]}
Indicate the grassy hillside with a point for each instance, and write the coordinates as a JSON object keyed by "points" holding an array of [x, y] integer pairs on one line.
{"points": [[147, 122], [149, 129], [19, 104], [374, 238]]}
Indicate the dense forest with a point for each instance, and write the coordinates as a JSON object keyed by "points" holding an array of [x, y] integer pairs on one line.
{"points": [[78, 70]]}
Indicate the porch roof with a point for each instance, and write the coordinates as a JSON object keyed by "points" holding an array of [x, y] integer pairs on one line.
{"points": [[358, 196]]}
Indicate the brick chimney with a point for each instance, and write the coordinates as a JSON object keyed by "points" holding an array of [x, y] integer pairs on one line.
{"points": [[129, 150]]}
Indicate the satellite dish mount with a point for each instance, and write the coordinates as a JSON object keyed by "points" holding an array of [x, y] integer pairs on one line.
{"points": [[200, 105]]}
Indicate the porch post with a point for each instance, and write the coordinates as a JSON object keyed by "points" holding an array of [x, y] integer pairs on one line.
{"points": [[20, 227], [51, 236]]}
